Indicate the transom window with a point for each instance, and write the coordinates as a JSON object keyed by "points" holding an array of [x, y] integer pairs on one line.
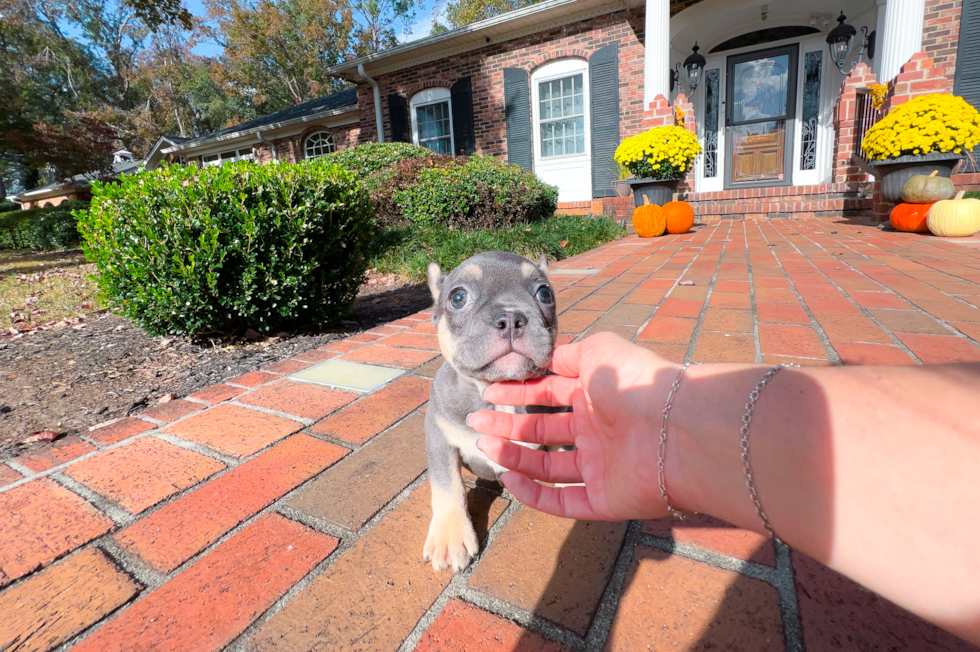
{"points": [[561, 104], [318, 144], [432, 121]]}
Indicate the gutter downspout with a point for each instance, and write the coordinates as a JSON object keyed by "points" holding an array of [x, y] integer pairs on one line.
{"points": [[275, 154], [377, 101]]}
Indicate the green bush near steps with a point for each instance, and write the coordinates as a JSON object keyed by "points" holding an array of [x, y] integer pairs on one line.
{"points": [[370, 157], [189, 251], [52, 228]]}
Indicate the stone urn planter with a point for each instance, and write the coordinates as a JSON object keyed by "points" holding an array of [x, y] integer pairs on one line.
{"points": [[657, 191], [894, 172], [621, 187]]}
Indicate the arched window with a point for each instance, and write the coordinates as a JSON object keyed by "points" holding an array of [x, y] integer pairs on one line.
{"points": [[318, 144]]}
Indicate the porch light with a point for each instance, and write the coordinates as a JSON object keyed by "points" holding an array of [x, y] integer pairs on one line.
{"points": [[693, 66], [840, 39]]}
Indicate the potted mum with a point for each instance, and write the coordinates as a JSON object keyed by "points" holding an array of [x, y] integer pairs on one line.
{"points": [[658, 158], [929, 132]]}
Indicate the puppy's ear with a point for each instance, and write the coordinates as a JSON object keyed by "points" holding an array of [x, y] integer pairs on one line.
{"points": [[543, 264], [436, 278]]}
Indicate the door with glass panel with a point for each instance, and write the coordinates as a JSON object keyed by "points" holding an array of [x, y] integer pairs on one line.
{"points": [[560, 107], [759, 116]]}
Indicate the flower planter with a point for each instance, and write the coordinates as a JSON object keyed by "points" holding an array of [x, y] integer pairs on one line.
{"points": [[658, 191], [621, 187], [894, 172]]}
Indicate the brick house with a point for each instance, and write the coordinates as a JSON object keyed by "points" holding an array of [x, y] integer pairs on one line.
{"points": [[554, 87]]}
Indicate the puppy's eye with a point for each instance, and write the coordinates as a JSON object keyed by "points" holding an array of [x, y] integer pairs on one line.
{"points": [[458, 299], [545, 295]]}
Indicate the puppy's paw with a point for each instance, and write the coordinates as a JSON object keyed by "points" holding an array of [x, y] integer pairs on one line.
{"points": [[451, 542]]}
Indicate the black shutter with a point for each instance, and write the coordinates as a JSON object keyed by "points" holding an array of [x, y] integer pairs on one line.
{"points": [[517, 110], [398, 117], [604, 87], [966, 83], [463, 134]]}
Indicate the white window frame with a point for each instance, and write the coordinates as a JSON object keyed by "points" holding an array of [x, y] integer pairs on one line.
{"points": [[306, 144], [426, 98], [537, 105], [230, 156], [822, 172]]}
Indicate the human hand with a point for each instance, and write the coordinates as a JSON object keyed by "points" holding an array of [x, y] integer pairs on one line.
{"points": [[617, 390]]}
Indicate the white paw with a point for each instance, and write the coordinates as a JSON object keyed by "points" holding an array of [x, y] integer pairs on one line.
{"points": [[451, 542]]}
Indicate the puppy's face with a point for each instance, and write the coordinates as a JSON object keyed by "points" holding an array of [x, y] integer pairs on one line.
{"points": [[495, 315]]}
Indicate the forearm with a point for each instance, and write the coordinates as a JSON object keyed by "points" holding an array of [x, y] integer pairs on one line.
{"points": [[874, 471]]}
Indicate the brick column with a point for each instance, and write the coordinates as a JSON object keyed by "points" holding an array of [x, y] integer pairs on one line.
{"points": [[684, 116], [659, 114]]}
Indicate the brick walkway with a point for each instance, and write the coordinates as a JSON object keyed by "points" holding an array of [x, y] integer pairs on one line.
{"points": [[265, 513]]}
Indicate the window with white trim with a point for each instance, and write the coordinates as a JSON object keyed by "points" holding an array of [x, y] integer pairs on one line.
{"points": [[561, 111], [228, 157], [318, 144], [432, 123]]}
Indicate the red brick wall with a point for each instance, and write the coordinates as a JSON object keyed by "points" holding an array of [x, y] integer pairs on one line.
{"points": [[291, 149], [941, 33], [486, 68]]}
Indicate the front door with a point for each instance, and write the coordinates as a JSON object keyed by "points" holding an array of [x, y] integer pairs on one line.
{"points": [[759, 112]]}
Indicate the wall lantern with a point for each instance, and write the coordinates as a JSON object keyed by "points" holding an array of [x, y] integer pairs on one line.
{"points": [[840, 39], [693, 66]]}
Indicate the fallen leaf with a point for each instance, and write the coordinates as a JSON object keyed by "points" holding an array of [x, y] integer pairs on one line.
{"points": [[686, 283], [166, 398], [563, 243], [44, 435]]}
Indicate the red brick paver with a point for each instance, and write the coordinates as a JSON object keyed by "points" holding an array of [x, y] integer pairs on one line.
{"points": [[223, 543]]}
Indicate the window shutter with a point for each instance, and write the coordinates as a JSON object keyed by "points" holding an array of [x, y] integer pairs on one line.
{"points": [[966, 83], [604, 89], [398, 117], [462, 101], [517, 111]]}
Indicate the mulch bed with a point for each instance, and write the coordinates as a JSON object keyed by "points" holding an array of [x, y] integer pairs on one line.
{"points": [[71, 378]]}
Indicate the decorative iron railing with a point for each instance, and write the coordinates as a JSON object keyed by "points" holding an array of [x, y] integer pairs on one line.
{"points": [[865, 115]]}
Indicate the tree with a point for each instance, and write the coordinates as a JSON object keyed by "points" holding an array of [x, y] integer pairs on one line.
{"points": [[275, 51], [376, 20], [82, 145], [157, 13], [464, 12]]}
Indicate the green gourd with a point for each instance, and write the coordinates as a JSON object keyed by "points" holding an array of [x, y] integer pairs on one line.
{"points": [[922, 189]]}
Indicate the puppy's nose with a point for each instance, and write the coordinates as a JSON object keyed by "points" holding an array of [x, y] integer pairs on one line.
{"points": [[510, 323]]}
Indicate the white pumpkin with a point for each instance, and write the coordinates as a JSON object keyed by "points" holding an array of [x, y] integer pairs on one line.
{"points": [[954, 218]]}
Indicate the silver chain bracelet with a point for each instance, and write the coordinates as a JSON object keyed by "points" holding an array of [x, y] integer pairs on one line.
{"points": [[662, 450], [746, 462]]}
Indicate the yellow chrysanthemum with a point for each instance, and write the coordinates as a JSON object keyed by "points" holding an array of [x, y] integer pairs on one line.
{"points": [[924, 124]]}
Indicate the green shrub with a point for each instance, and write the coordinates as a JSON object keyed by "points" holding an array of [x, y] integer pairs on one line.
{"points": [[51, 228], [192, 251], [370, 157], [385, 183], [408, 249], [6, 206], [476, 193]]}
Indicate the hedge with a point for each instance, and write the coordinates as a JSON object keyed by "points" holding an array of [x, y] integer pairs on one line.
{"points": [[476, 193], [51, 228], [182, 250], [370, 157]]}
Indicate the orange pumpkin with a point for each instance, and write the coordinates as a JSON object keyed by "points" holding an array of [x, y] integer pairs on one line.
{"points": [[649, 220], [679, 216], [910, 217]]}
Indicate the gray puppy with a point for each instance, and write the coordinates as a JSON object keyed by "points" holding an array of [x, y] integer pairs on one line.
{"points": [[495, 316]]}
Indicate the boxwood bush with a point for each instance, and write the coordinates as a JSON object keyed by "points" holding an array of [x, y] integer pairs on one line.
{"points": [[370, 157], [51, 228], [183, 250], [476, 193]]}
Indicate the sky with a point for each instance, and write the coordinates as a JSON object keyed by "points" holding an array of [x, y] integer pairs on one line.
{"points": [[423, 23]]}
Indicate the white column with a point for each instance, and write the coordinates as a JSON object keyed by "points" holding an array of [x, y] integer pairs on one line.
{"points": [[902, 36], [656, 55], [880, 29]]}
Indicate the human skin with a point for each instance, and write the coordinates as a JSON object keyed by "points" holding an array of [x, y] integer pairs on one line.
{"points": [[874, 471]]}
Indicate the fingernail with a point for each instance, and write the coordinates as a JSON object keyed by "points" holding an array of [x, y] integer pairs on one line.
{"points": [[478, 442], [468, 417]]}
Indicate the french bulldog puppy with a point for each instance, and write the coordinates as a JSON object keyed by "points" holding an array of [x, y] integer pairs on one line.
{"points": [[495, 316]]}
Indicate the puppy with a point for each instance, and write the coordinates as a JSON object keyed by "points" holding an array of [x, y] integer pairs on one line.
{"points": [[495, 316]]}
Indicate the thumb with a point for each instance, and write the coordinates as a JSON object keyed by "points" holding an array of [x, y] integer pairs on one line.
{"points": [[567, 360]]}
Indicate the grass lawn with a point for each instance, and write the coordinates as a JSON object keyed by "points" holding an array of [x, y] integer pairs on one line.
{"points": [[408, 250], [39, 286]]}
